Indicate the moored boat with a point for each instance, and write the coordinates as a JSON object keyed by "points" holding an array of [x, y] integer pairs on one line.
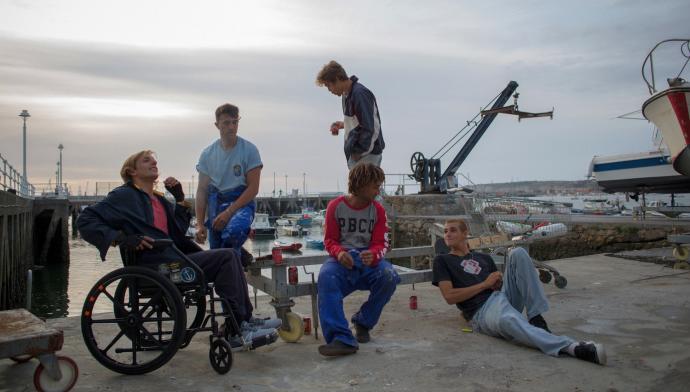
{"points": [[262, 227]]}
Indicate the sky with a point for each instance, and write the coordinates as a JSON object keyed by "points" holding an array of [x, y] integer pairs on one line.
{"points": [[107, 79]]}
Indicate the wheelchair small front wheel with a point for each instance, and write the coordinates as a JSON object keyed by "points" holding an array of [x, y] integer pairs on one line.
{"points": [[138, 329], [220, 356], [296, 328]]}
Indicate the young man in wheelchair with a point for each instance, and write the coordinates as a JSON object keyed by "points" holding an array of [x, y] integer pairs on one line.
{"points": [[133, 215]]}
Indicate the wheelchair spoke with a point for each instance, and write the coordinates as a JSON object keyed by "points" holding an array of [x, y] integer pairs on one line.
{"points": [[151, 302], [153, 338], [115, 303], [108, 321], [115, 339]]}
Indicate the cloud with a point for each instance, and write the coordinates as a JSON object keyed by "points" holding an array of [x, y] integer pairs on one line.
{"points": [[106, 87]]}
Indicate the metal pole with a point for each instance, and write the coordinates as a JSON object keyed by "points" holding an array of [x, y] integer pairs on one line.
{"points": [[274, 184], [304, 184], [60, 147], [24, 114], [286, 190]]}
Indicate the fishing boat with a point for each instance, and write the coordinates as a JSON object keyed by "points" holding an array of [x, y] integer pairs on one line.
{"points": [[669, 109], [292, 230], [315, 244], [262, 227]]}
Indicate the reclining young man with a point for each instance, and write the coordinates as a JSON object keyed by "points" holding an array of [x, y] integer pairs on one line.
{"points": [[133, 215], [493, 303]]}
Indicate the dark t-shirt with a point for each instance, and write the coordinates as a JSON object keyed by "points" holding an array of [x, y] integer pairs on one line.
{"points": [[463, 272]]}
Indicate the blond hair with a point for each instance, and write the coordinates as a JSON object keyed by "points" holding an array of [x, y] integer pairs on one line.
{"points": [[462, 225], [131, 164]]}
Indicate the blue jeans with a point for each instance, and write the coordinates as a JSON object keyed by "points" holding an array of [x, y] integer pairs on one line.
{"points": [[236, 231], [337, 282], [501, 314]]}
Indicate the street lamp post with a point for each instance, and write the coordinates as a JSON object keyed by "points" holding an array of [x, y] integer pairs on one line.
{"points": [[60, 189], [25, 184], [304, 184]]}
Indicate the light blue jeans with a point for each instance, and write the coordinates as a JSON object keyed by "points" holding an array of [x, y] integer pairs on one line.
{"points": [[501, 315]]}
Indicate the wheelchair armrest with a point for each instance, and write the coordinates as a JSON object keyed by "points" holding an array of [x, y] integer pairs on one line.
{"points": [[160, 244]]}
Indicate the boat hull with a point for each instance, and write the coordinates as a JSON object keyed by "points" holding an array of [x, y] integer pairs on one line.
{"points": [[649, 172], [669, 110]]}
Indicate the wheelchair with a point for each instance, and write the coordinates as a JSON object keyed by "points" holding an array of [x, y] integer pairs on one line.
{"points": [[135, 318]]}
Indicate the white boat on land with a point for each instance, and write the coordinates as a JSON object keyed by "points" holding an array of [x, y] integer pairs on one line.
{"points": [[669, 109], [512, 228], [262, 227], [649, 171]]}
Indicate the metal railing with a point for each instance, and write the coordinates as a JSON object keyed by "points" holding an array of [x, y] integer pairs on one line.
{"points": [[12, 180]]}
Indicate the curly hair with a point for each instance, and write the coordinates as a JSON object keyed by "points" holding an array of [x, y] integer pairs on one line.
{"points": [[364, 174], [331, 73]]}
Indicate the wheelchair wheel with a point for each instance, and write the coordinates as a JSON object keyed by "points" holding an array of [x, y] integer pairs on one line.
{"points": [[544, 276], [138, 329], [220, 355], [561, 281]]}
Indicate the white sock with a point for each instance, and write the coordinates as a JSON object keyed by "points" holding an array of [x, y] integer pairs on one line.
{"points": [[570, 350]]}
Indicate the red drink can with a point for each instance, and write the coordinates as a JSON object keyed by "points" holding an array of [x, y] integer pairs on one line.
{"points": [[307, 325], [413, 302], [277, 256], [292, 275]]}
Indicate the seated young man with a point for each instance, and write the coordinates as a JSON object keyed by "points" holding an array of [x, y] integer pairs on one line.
{"points": [[355, 238], [134, 214], [493, 303]]}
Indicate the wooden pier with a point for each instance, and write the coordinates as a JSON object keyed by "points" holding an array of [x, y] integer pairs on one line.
{"points": [[32, 232]]}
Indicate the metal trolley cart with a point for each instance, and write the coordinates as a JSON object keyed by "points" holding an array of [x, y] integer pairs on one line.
{"points": [[24, 336]]}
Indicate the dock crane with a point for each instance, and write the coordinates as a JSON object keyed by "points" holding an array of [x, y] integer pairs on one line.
{"points": [[428, 171]]}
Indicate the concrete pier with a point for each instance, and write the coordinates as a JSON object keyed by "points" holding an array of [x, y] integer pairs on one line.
{"points": [[638, 310]]}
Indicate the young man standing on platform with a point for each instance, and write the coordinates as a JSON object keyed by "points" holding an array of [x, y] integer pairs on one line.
{"points": [[362, 123], [229, 174], [493, 303], [133, 215], [356, 239]]}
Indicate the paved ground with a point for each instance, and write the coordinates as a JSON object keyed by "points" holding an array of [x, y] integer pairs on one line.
{"points": [[640, 311]]}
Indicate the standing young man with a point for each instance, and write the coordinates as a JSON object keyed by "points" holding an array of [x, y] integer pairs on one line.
{"points": [[229, 174], [134, 214], [363, 136], [355, 238], [493, 304]]}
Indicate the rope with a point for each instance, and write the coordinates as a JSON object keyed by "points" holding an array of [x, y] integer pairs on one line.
{"points": [[473, 121]]}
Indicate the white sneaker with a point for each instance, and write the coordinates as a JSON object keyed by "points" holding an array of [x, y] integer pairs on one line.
{"points": [[253, 337]]}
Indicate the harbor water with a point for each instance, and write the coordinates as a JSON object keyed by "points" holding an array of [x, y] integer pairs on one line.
{"points": [[59, 290]]}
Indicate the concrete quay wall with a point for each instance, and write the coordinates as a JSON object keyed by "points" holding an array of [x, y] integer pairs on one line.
{"points": [[411, 217]]}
